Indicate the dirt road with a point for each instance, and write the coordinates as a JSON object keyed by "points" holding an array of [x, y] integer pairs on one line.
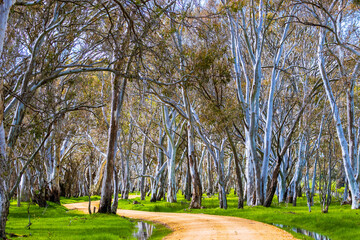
{"points": [[202, 226]]}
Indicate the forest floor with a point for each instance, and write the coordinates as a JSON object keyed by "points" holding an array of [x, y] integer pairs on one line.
{"points": [[341, 222], [200, 226]]}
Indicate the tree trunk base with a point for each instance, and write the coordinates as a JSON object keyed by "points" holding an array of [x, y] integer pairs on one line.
{"points": [[105, 205], [40, 199], [54, 196], [195, 203], [5, 204]]}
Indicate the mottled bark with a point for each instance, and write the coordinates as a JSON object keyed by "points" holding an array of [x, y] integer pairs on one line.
{"points": [[195, 178], [170, 127], [54, 193], [353, 185], [209, 190], [126, 167], [159, 170], [237, 170], [187, 191], [106, 189], [143, 170], [196, 184], [161, 192], [274, 181], [4, 211], [5, 6], [299, 168], [115, 203], [312, 191]]}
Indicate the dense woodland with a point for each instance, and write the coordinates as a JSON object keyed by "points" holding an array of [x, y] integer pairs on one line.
{"points": [[183, 96]]}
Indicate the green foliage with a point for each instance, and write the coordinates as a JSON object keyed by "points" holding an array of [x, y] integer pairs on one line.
{"points": [[235, 5]]}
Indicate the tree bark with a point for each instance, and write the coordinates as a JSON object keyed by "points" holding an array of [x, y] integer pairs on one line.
{"points": [[4, 211], [116, 105], [269, 115], [159, 170], [195, 179], [209, 176], [237, 170], [143, 170], [353, 185], [114, 205], [54, 194], [106, 191], [274, 179], [170, 129], [126, 169], [187, 180], [299, 167], [5, 6]]}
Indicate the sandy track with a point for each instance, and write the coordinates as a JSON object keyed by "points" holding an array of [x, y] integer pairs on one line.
{"points": [[201, 226]]}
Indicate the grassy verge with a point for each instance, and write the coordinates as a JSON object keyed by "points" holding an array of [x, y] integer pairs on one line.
{"points": [[56, 222], [79, 199], [159, 232], [340, 223]]}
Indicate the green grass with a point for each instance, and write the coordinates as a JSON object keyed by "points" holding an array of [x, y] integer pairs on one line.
{"points": [[56, 222], [159, 232], [340, 223], [79, 199]]}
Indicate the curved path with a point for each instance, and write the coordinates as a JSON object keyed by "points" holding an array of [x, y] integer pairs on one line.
{"points": [[201, 226]]}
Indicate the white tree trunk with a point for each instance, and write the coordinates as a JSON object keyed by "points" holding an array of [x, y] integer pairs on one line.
{"points": [[143, 170], [249, 173], [115, 202], [170, 129], [299, 168], [5, 6], [159, 168], [268, 129], [282, 176], [353, 185]]}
